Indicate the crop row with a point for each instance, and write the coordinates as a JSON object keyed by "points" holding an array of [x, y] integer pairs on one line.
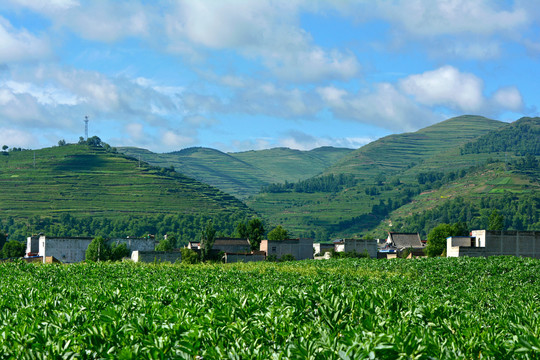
{"points": [[336, 309]]}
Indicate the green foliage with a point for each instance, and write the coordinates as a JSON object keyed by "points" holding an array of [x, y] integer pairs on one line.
{"points": [[496, 221], [12, 249], [278, 233], [208, 236], [327, 183], [520, 137], [287, 257], [457, 308], [189, 256], [3, 239], [164, 245], [436, 240], [255, 232], [119, 251], [98, 250]]}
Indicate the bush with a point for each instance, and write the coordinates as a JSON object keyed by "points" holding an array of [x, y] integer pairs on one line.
{"points": [[13, 248], [98, 250], [189, 256], [287, 257], [164, 245], [118, 252]]}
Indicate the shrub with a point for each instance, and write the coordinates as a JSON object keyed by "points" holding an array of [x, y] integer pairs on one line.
{"points": [[189, 256]]}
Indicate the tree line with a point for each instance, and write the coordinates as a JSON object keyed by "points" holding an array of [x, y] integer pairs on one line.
{"points": [[326, 183]]}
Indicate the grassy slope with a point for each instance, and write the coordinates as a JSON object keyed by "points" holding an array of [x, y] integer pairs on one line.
{"points": [[243, 174], [398, 155], [398, 152], [87, 181]]}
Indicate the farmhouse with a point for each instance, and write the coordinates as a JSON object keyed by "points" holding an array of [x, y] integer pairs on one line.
{"points": [[301, 248], [357, 245], [232, 245], [73, 249], [322, 248], [156, 256], [491, 242]]}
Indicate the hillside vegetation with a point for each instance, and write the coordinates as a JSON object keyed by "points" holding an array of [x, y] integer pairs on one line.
{"points": [[86, 190], [411, 182], [243, 174]]}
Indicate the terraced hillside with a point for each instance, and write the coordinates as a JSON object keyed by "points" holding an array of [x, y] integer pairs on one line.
{"points": [[82, 182], [243, 174], [398, 152], [388, 178]]}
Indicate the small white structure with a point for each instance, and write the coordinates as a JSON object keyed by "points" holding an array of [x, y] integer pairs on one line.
{"points": [[491, 243]]}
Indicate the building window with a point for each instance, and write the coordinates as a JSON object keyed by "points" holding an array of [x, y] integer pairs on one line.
{"points": [[273, 249]]}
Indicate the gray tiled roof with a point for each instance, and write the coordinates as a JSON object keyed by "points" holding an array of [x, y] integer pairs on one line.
{"points": [[406, 240]]}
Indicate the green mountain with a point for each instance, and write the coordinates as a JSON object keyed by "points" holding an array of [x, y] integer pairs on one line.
{"points": [[395, 153], [243, 174], [394, 174], [85, 190]]}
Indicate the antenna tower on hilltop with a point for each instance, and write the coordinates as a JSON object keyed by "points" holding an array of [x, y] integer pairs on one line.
{"points": [[86, 128]]}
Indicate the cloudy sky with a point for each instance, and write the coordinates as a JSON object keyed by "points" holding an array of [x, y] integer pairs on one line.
{"points": [[238, 75]]}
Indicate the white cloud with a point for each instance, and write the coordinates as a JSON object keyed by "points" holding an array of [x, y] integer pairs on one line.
{"points": [[172, 139], [17, 138], [302, 141], [446, 86], [20, 45], [385, 106], [429, 18], [263, 29], [508, 98]]}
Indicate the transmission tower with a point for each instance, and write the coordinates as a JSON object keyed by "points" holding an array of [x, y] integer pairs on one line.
{"points": [[86, 128]]}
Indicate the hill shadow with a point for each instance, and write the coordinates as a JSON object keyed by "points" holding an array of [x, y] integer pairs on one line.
{"points": [[81, 162]]}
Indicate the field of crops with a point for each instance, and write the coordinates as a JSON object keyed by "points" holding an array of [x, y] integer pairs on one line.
{"points": [[337, 309]]}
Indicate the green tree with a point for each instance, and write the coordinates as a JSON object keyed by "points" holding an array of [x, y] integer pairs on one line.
{"points": [[3, 239], [61, 142], [13, 248], [255, 230], [98, 250], [164, 245], [496, 221], [241, 230], [189, 256], [278, 233], [119, 251], [436, 240], [207, 239]]}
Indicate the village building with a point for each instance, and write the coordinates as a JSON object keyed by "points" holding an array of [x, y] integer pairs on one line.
{"points": [[73, 249], [483, 243], [156, 256], [399, 242], [322, 248], [358, 246], [254, 256], [300, 249], [232, 245]]}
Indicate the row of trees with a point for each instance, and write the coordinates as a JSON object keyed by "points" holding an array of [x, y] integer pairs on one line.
{"points": [[327, 183]]}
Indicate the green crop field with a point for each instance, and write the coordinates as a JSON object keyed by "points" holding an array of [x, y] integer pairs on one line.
{"points": [[439, 308]]}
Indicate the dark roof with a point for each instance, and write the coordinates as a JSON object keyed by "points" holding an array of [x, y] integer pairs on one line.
{"points": [[405, 240], [231, 241]]}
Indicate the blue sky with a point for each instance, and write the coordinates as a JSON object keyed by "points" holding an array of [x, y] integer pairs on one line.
{"points": [[241, 75]]}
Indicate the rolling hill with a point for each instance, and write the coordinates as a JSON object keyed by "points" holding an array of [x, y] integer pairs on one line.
{"points": [[243, 174], [388, 183], [74, 185]]}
